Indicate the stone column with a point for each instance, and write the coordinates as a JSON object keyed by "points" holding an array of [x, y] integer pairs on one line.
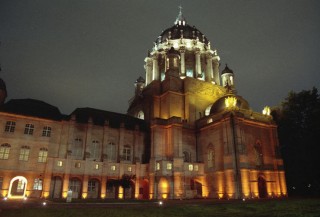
{"points": [[155, 64], [148, 68], [209, 71], [216, 76], [198, 63], [182, 63], [85, 187]]}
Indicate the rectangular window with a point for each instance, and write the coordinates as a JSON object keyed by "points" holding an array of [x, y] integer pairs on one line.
{"points": [[129, 169], [127, 153], [43, 154], [4, 151], [37, 184], [46, 132], [196, 168], [113, 168], [59, 163], [29, 129], [10, 126], [96, 166], [92, 186], [77, 165], [24, 153], [169, 166]]}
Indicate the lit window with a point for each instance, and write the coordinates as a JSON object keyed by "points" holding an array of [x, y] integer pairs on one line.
{"points": [[141, 115], [158, 166], [20, 186], [46, 131], [77, 165], [207, 111], [127, 153], [189, 73], [209, 121], [129, 169], [96, 166], [190, 167], [196, 167], [37, 184], [24, 153], [10, 126], [59, 163], [29, 129], [43, 154], [4, 151], [113, 168], [169, 166]]}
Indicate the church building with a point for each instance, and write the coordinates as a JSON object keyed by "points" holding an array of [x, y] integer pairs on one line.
{"points": [[186, 134]]}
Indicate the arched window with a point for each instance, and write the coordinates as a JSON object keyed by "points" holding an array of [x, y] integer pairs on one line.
{"points": [[186, 156], [95, 149], [210, 156], [140, 115], [258, 154], [43, 154], [24, 153], [207, 111], [4, 151]]}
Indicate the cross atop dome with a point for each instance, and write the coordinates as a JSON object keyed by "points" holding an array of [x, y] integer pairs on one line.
{"points": [[180, 18]]}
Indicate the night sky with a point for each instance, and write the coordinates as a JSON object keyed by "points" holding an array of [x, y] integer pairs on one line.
{"points": [[88, 53]]}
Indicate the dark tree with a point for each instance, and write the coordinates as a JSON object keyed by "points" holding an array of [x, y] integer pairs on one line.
{"points": [[298, 120]]}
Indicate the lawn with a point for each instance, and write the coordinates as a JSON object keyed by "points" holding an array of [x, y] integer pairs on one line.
{"points": [[202, 208]]}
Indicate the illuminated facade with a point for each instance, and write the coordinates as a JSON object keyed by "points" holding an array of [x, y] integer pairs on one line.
{"points": [[187, 134]]}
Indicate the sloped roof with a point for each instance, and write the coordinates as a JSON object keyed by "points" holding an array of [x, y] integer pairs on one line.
{"points": [[100, 117], [33, 108]]}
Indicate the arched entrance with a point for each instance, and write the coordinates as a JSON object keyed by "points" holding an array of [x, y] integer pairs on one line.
{"points": [[18, 187], [112, 188], [75, 187], [93, 188], [56, 187], [262, 187], [144, 189], [163, 188], [196, 187], [129, 192]]}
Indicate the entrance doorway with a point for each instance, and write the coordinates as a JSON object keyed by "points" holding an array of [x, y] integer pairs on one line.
{"points": [[18, 187], [262, 187]]}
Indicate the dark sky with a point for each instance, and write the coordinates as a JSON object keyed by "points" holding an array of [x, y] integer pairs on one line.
{"points": [[88, 53]]}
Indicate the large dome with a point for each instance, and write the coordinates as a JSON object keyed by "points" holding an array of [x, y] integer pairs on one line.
{"points": [[181, 30]]}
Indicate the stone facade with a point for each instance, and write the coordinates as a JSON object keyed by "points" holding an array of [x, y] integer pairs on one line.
{"points": [[184, 136]]}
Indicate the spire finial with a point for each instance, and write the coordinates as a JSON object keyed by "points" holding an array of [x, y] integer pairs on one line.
{"points": [[180, 19]]}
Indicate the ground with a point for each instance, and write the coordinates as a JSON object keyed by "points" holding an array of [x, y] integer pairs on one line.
{"points": [[200, 208]]}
